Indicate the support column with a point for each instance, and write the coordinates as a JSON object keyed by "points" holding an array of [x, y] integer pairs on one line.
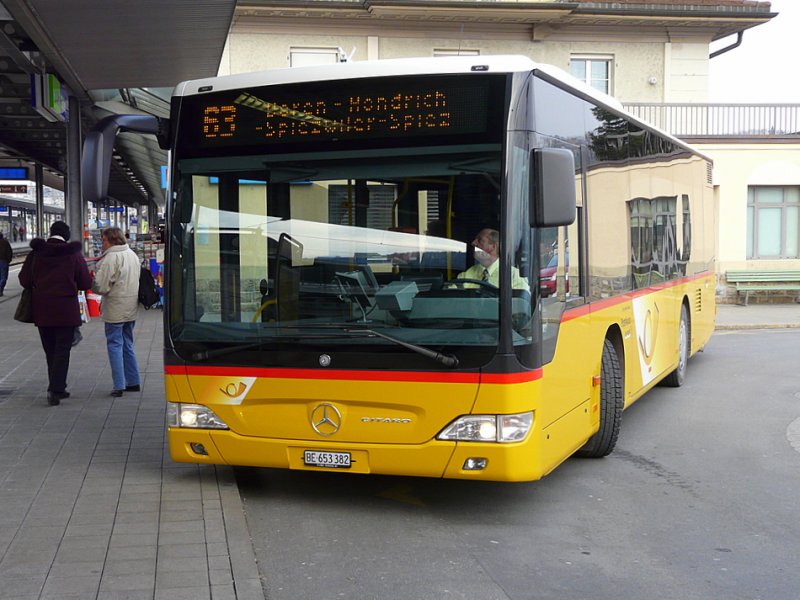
{"points": [[38, 175], [152, 218], [75, 209]]}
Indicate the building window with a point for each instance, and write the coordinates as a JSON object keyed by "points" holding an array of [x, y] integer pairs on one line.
{"points": [[773, 222], [593, 70], [311, 57], [456, 52]]}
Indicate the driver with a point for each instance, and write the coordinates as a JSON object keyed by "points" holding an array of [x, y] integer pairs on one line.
{"points": [[487, 265]]}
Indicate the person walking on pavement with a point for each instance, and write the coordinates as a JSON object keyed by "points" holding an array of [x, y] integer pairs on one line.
{"points": [[6, 254], [116, 279], [55, 271]]}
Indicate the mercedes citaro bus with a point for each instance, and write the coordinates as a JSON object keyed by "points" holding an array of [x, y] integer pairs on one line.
{"points": [[321, 223]]}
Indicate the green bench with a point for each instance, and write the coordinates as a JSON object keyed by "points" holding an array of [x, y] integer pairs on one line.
{"points": [[755, 280]]}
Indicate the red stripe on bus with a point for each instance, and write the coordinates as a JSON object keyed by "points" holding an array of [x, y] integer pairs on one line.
{"points": [[522, 377], [416, 376], [580, 311]]}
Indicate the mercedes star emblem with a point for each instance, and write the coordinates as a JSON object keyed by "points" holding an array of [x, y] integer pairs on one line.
{"points": [[326, 419]]}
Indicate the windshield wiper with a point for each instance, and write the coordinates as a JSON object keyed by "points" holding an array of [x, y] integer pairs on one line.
{"points": [[448, 360], [206, 354]]}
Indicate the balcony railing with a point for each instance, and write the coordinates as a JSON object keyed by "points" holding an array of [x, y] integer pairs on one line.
{"points": [[720, 120]]}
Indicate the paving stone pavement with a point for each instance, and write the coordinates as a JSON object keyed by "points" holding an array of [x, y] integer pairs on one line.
{"points": [[91, 505]]}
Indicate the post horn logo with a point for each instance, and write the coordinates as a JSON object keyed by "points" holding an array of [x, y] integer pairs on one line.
{"points": [[649, 334], [234, 391], [326, 419]]}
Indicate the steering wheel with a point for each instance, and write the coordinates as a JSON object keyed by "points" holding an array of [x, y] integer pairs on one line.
{"points": [[485, 289]]}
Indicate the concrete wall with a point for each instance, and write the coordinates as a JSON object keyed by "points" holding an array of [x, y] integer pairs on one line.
{"points": [[686, 66], [634, 64]]}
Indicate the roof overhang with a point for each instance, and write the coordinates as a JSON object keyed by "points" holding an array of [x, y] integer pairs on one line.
{"points": [[707, 19], [147, 43]]}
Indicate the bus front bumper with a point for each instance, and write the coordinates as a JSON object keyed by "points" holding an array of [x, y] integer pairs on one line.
{"points": [[503, 462]]}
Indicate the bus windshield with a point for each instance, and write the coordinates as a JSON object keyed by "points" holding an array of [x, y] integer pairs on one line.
{"points": [[312, 247]]}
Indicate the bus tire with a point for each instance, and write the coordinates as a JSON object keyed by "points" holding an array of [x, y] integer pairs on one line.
{"points": [[677, 377], [611, 403]]}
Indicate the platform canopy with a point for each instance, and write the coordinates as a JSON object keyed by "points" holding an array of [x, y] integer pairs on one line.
{"points": [[114, 56]]}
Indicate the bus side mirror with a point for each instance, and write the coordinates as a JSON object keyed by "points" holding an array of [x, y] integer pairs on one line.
{"points": [[552, 193]]}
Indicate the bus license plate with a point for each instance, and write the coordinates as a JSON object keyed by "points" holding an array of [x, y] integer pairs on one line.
{"points": [[333, 460]]}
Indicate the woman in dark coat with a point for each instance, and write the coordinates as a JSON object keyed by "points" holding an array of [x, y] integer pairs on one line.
{"points": [[55, 270]]}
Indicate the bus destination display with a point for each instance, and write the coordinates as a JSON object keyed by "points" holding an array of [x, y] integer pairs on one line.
{"points": [[369, 109]]}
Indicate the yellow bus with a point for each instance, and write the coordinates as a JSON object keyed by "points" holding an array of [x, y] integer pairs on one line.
{"points": [[455, 267]]}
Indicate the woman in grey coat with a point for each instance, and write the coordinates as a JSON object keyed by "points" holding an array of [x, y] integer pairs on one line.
{"points": [[117, 281]]}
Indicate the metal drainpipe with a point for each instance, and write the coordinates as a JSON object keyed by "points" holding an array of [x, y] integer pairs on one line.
{"points": [[736, 44]]}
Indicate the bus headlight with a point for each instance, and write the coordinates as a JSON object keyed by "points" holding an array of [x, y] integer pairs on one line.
{"points": [[488, 428], [193, 416]]}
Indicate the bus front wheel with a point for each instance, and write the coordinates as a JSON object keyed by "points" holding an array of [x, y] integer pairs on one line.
{"points": [[611, 403]]}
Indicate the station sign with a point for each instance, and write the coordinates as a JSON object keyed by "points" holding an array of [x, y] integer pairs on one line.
{"points": [[13, 189], [49, 98]]}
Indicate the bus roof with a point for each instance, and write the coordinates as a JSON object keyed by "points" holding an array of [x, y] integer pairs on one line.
{"points": [[369, 68]]}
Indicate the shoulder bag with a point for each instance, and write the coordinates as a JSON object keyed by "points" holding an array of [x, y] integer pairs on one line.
{"points": [[24, 312]]}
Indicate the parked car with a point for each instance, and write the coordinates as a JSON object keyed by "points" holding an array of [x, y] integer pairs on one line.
{"points": [[547, 277]]}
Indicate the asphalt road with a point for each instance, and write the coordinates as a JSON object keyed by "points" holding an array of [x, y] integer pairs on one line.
{"points": [[699, 501]]}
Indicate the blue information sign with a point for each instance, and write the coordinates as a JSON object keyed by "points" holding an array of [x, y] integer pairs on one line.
{"points": [[15, 173]]}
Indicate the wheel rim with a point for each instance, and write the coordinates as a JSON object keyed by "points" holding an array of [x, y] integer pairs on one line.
{"points": [[683, 346]]}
